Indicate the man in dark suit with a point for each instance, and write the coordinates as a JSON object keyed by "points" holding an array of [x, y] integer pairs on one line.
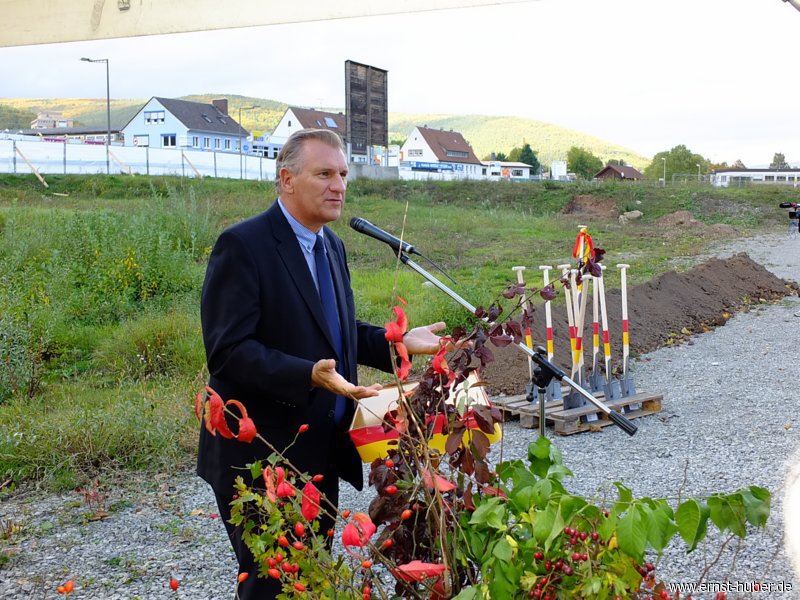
{"points": [[272, 343]]}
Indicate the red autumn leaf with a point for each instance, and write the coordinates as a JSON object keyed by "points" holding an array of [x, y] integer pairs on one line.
{"points": [[598, 254], [198, 406], [217, 417], [269, 482], [440, 360], [239, 405], [548, 292], [247, 430], [493, 491], [405, 363], [402, 320], [417, 570], [283, 489], [501, 341], [358, 533], [393, 332], [434, 480], [309, 507]]}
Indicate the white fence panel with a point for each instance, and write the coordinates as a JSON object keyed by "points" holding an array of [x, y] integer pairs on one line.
{"points": [[72, 158]]}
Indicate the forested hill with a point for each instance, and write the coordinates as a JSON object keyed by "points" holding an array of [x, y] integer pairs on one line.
{"points": [[485, 133]]}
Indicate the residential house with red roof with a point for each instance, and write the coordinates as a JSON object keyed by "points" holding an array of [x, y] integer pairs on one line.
{"points": [[439, 154]]}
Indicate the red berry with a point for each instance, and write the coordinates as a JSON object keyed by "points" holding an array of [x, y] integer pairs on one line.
{"points": [[271, 562], [389, 463], [387, 543], [345, 514], [283, 541], [576, 556], [242, 577], [303, 428], [538, 555], [279, 557], [317, 478], [367, 564], [173, 584], [299, 546], [299, 587], [406, 514], [274, 573], [299, 529], [595, 536], [391, 490]]}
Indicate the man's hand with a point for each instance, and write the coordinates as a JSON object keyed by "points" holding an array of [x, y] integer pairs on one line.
{"points": [[324, 375], [423, 340]]}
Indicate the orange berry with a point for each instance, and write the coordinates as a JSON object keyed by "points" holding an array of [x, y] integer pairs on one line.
{"points": [[69, 586], [242, 577], [388, 543], [389, 463], [406, 514], [345, 514], [367, 564]]}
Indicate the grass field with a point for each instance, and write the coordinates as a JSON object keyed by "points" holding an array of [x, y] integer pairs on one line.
{"points": [[100, 342]]}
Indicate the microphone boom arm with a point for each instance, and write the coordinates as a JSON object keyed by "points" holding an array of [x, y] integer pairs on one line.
{"points": [[618, 419]]}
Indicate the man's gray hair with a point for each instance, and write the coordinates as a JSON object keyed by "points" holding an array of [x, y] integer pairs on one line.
{"points": [[290, 157]]}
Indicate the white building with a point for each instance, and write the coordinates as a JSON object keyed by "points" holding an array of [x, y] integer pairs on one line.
{"points": [[171, 123], [496, 170], [739, 177], [439, 153]]}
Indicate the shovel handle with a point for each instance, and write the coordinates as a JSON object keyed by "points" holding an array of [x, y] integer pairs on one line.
{"points": [[623, 423]]}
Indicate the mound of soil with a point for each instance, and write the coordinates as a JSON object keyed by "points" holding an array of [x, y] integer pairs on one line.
{"points": [[665, 310], [591, 206], [677, 223]]}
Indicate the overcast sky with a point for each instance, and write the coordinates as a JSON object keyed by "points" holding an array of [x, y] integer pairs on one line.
{"points": [[719, 76]]}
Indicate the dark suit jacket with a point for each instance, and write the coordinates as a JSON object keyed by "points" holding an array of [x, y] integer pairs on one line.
{"points": [[263, 329]]}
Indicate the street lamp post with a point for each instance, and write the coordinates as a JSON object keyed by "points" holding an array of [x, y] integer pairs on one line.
{"points": [[665, 170], [698, 173], [108, 110], [241, 131]]}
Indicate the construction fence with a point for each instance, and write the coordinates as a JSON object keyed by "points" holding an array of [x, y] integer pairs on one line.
{"points": [[62, 158]]}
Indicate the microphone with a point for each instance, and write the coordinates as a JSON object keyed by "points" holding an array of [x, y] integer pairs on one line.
{"points": [[367, 228]]}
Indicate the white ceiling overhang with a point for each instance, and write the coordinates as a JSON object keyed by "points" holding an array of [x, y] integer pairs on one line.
{"points": [[27, 22]]}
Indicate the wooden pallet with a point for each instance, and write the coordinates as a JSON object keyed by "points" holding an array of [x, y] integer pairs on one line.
{"points": [[570, 421]]}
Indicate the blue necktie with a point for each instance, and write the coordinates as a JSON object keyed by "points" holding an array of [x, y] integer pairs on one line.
{"points": [[328, 297]]}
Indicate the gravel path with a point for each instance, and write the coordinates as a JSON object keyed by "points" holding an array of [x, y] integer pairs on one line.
{"points": [[729, 420]]}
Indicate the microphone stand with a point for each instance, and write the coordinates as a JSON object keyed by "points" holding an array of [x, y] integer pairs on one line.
{"points": [[545, 371]]}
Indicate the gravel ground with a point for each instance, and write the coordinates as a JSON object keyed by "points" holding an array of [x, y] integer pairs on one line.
{"points": [[728, 420]]}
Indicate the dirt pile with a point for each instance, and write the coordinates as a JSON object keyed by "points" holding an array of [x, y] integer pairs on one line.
{"points": [[665, 310], [677, 223], [591, 206]]}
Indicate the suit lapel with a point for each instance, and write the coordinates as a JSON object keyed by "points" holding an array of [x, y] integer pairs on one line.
{"points": [[292, 256]]}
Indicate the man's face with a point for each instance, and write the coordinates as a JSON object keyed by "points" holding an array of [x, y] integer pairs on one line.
{"points": [[315, 194]]}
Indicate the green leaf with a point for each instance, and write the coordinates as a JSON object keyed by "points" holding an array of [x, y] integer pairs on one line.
{"points": [[625, 494], [660, 527], [608, 526], [468, 593], [255, 469], [727, 512], [503, 550], [757, 503], [632, 534], [490, 514], [539, 456], [543, 523], [692, 521]]}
